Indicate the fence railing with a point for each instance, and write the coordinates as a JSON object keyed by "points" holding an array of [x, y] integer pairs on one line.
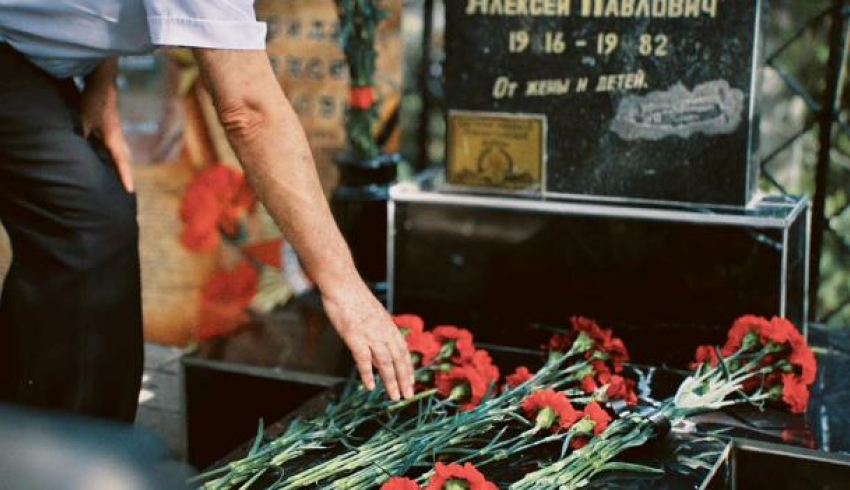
{"points": [[829, 120]]}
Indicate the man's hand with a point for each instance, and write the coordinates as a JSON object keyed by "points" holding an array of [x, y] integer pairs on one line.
{"points": [[100, 117], [373, 339], [271, 145]]}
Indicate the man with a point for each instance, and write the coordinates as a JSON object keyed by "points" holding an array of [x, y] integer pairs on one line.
{"points": [[70, 314]]}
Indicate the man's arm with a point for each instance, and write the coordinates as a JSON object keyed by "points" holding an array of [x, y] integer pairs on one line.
{"points": [[272, 148]]}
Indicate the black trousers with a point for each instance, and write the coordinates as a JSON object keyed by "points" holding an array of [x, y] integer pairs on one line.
{"points": [[70, 310]]}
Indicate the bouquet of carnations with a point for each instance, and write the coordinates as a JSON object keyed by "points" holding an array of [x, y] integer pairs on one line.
{"points": [[560, 420]]}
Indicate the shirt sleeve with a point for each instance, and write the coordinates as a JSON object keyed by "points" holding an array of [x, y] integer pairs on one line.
{"points": [[217, 24]]}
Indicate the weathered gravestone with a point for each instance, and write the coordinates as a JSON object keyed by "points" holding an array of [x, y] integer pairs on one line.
{"points": [[624, 99]]}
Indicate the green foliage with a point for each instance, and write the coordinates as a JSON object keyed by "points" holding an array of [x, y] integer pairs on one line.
{"points": [[806, 60], [359, 20]]}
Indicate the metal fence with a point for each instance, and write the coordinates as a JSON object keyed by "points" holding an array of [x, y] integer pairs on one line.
{"points": [[826, 176], [820, 39]]}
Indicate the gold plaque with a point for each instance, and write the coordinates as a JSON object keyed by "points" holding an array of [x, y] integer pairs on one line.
{"points": [[504, 151]]}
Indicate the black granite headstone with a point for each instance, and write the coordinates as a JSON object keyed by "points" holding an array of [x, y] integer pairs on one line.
{"points": [[624, 99]]}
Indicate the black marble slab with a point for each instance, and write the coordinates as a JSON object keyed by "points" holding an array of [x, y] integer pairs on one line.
{"points": [[664, 278], [643, 99]]}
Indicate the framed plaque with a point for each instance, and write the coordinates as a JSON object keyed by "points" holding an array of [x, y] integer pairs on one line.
{"points": [[504, 151]]}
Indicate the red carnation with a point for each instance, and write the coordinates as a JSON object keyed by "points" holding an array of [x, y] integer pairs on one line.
{"points": [[362, 98], [740, 329], [467, 473], [555, 401], [603, 373], [460, 337], [213, 203], [795, 393], [520, 376], [600, 419], [397, 483], [465, 384], [620, 388], [599, 375], [560, 343], [409, 323], [605, 345], [801, 355], [599, 335], [616, 349], [598, 415], [224, 300], [424, 344], [603, 339], [804, 358], [779, 331], [483, 363], [588, 384], [705, 354]]}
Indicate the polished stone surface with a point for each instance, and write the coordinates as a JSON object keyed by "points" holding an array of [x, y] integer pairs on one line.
{"points": [[507, 269], [826, 425], [657, 107]]}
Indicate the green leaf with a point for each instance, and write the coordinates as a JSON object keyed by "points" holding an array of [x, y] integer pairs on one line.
{"points": [[257, 440], [694, 463], [631, 467], [722, 362], [253, 479]]}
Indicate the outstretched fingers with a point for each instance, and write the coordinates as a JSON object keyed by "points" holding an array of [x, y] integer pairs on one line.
{"points": [[383, 359], [402, 364], [363, 358]]}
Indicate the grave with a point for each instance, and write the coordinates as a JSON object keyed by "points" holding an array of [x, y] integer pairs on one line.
{"points": [[629, 100]]}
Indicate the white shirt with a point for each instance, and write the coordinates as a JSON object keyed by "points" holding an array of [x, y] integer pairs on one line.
{"points": [[70, 38]]}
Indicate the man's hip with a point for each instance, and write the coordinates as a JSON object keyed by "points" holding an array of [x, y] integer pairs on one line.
{"points": [[70, 313]]}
